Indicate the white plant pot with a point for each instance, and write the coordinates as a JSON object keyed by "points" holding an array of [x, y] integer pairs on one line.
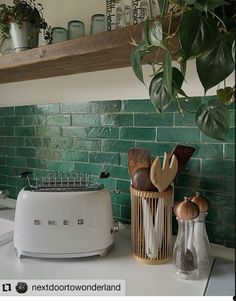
{"points": [[23, 36]]}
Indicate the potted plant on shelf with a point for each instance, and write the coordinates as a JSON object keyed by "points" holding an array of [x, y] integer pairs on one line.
{"points": [[22, 22], [205, 33]]}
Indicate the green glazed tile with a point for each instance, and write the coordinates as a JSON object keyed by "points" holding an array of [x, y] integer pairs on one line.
{"points": [[103, 132], [209, 151], [93, 169], [2, 121], [60, 165], [25, 110], [117, 171], [117, 145], [131, 133], [8, 171], [113, 158], [153, 119], [109, 184], [121, 199], [48, 154], [73, 131], [2, 181], [125, 212], [25, 152], [16, 161], [188, 119], [192, 166], [229, 138], [3, 160], [117, 119], [7, 151], [7, 111], [190, 104], [198, 182], [87, 144], [71, 155], [116, 210], [85, 119], [229, 151], [178, 135], [232, 118], [62, 120], [14, 121], [14, 141], [47, 109], [217, 167], [47, 131], [6, 131], [156, 148], [2, 141], [37, 163], [34, 120], [123, 185], [58, 142], [16, 182], [214, 215], [25, 131], [76, 107], [105, 106], [227, 183], [139, 105], [124, 159], [222, 232], [35, 142], [221, 199], [228, 217]]}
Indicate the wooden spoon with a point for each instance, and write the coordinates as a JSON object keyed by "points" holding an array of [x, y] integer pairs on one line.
{"points": [[183, 154], [138, 158], [141, 180], [163, 177]]}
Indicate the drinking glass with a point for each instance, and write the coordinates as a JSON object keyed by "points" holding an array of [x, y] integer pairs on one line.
{"points": [[75, 30], [97, 23], [59, 34]]}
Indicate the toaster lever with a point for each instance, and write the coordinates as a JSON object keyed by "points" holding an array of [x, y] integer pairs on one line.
{"points": [[116, 227]]}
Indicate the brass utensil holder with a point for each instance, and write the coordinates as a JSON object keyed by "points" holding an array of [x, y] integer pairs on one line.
{"points": [[151, 225]]}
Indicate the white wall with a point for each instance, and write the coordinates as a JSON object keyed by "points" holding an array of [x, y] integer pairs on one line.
{"points": [[102, 85]]}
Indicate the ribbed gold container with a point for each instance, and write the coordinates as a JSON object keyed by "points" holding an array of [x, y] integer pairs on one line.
{"points": [[151, 225]]}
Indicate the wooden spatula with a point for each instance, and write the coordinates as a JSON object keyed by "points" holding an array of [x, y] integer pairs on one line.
{"points": [[138, 158], [183, 154], [163, 177]]}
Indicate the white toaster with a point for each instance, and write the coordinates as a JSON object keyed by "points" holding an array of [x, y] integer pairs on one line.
{"points": [[63, 223]]}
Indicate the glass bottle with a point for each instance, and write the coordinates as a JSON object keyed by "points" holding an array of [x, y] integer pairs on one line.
{"points": [[59, 34], [98, 24], [185, 254], [75, 29], [202, 241]]}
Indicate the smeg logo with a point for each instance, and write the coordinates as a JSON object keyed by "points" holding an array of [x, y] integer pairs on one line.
{"points": [[53, 222]]}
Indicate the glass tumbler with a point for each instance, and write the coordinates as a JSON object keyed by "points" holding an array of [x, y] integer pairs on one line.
{"points": [[98, 23], [75, 29], [59, 34]]}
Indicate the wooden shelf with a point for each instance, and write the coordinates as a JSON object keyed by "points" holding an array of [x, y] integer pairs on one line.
{"points": [[102, 51]]}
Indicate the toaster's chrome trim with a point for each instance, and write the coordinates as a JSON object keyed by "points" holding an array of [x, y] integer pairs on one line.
{"points": [[101, 253], [65, 188]]}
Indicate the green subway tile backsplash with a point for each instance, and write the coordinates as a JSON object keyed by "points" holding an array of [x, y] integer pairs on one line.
{"points": [[95, 136]]}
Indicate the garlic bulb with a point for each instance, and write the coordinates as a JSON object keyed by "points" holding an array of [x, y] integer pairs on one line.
{"points": [[201, 202], [186, 210]]}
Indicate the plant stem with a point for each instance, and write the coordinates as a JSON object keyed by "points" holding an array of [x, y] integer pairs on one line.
{"points": [[219, 19]]}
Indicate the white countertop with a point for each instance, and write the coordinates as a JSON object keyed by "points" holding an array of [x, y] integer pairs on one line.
{"points": [[141, 279]]}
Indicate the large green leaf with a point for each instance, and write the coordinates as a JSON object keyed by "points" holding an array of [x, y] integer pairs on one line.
{"points": [[163, 5], [156, 35], [213, 119], [206, 5], [190, 2], [167, 72], [233, 51], [135, 59], [158, 92], [197, 32], [216, 64], [226, 94]]}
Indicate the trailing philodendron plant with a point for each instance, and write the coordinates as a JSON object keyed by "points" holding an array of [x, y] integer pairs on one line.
{"points": [[23, 11], [204, 33]]}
